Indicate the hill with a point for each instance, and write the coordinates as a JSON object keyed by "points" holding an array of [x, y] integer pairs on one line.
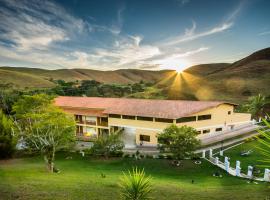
{"points": [[216, 81], [44, 78], [233, 82]]}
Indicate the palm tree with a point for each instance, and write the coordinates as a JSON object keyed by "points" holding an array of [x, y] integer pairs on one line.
{"points": [[264, 141], [257, 105], [135, 185]]}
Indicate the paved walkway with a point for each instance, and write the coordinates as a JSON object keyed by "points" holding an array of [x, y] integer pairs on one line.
{"points": [[217, 137]]}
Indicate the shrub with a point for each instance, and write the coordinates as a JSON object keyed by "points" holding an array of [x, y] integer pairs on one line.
{"points": [[108, 146], [135, 185], [8, 139]]}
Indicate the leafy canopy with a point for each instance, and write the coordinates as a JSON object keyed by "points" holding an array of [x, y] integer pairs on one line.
{"points": [[180, 141], [256, 106], [43, 126], [264, 140]]}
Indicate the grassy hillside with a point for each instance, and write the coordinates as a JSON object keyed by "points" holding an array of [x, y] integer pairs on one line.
{"points": [[220, 81], [20, 79], [118, 76]]}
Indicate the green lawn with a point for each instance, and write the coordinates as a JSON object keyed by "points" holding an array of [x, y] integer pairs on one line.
{"points": [[253, 159], [80, 179]]}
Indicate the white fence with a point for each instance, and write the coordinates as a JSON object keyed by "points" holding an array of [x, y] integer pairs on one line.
{"points": [[226, 165]]}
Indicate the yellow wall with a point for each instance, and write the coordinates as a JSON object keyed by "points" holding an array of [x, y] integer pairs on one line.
{"points": [[151, 133], [219, 119]]}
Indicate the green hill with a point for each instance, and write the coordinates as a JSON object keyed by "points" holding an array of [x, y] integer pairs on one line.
{"points": [[219, 81]]}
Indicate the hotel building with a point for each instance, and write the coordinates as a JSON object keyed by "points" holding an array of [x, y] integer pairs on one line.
{"points": [[142, 119]]}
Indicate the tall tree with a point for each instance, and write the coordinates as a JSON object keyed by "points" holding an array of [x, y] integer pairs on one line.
{"points": [[256, 106], [180, 141], [8, 139], [44, 127]]}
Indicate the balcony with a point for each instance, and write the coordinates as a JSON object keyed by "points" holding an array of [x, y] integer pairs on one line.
{"points": [[93, 123], [105, 124]]}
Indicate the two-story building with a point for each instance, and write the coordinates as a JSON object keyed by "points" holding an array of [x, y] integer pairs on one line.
{"points": [[142, 119]]}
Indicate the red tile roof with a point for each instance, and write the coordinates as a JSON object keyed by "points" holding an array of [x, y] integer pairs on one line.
{"points": [[170, 109], [87, 112]]}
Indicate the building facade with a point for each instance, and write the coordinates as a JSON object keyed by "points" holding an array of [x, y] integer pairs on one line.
{"points": [[141, 120]]}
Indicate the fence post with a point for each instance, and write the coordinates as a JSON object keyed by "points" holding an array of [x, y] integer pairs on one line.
{"points": [[216, 160], [238, 171], [210, 153], [221, 153], [203, 154], [250, 170], [227, 166], [238, 163], [266, 175]]}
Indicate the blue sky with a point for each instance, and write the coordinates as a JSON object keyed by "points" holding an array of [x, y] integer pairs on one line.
{"points": [[140, 34]]}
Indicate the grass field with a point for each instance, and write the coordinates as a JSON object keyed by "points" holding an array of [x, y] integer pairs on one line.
{"points": [[80, 178], [253, 159]]}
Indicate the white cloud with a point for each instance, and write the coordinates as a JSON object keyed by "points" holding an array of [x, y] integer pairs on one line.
{"points": [[37, 24], [37, 29], [264, 33], [191, 35]]}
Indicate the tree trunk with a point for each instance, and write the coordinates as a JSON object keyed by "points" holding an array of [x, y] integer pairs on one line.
{"points": [[49, 158]]}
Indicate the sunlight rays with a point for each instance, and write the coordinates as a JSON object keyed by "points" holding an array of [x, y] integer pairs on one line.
{"points": [[184, 85]]}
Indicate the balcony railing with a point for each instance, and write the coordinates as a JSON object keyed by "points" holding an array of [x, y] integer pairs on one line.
{"points": [[91, 122], [103, 124]]}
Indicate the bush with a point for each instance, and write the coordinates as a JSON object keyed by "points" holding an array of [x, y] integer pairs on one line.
{"points": [[135, 185], [108, 146], [8, 139]]}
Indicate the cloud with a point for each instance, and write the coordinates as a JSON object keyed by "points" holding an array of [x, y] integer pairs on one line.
{"points": [[176, 59], [191, 35], [264, 33], [39, 33], [37, 24]]}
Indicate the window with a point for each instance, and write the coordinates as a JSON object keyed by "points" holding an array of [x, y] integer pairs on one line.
{"points": [[145, 118], [186, 119], [199, 132], [229, 112], [206, 131], [114, 116], [145, 138], [204, 117], [128, 117], [218, 129], [164, 120]]}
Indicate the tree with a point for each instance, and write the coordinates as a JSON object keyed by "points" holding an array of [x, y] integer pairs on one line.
{"points": [[108, 145], [264, 141], [135, 185], [8, 139], [7, 99], [44, 127], [180, 141], [256, 106]]}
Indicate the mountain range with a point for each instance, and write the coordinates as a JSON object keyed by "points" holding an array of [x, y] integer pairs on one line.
{"points": [[216, 81]]}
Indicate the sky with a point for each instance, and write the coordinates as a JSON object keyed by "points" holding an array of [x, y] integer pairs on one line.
{"points": [[138, 34]]}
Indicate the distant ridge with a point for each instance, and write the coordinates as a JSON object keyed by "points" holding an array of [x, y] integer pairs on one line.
{"points": [[216, 81]]}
